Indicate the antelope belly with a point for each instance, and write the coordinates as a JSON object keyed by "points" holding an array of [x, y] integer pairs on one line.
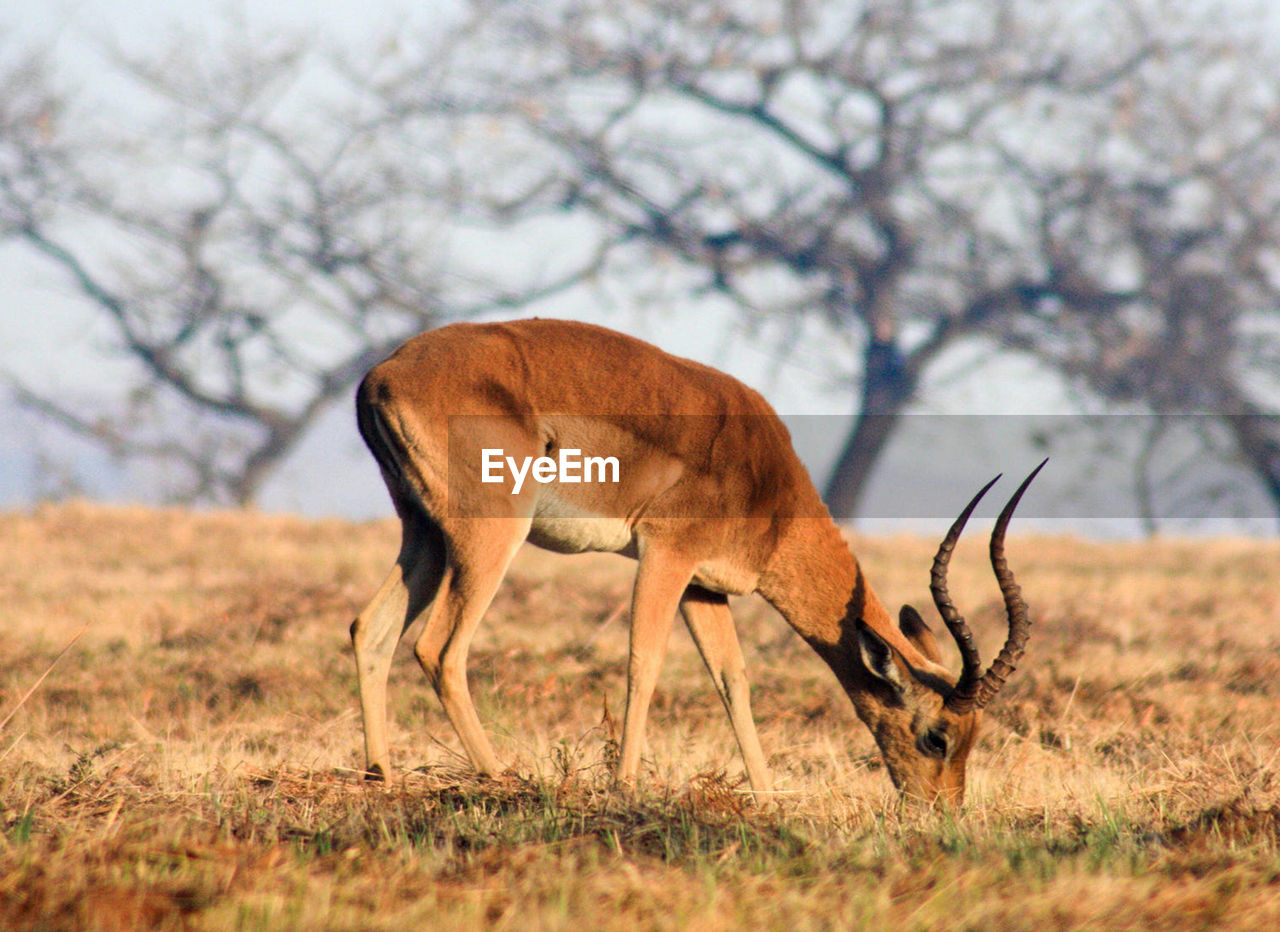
{"points": [[562, 527]]}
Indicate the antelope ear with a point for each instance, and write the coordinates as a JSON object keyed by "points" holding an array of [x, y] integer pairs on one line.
{"points": [[918, 633], [877, 657]]}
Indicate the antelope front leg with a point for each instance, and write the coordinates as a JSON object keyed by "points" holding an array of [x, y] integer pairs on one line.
{"points": [[660, 581], [711, 624]]}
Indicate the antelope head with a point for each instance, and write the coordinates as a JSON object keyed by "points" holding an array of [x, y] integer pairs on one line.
{"points": [[925, 721]]}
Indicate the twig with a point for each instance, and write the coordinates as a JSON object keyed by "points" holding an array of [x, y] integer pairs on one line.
{"points": [[48, 670], [617, 613]]}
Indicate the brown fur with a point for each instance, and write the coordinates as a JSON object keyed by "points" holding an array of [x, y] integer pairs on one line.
{"points": [[712, 500]]}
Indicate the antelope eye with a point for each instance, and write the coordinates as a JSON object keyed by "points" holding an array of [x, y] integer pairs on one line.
{"points": [[933, 743]]}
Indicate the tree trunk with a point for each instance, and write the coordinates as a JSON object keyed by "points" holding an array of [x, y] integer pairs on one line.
{"points": [[887, 387], [1257, 436]]}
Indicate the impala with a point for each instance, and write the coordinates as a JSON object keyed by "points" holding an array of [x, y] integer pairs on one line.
{"points": [[710, 499]]}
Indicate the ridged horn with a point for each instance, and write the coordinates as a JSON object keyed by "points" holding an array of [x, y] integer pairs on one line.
{"points": [[1014, 605], [974, 689], [962, 696]]}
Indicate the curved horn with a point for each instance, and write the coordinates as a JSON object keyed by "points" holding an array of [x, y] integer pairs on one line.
{"points": [[1015, 607], [962, 696]]}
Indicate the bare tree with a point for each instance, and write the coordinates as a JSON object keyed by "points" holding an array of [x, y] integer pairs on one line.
{"points": [[1168, 234], [256, 228], [1088, 183], [913, 174]]}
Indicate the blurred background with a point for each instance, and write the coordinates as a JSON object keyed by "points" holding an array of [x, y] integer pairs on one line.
{"points": [[945, 239]]}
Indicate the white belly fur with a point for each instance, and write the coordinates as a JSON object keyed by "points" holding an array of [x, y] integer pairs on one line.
{"points": [[565, 528]]}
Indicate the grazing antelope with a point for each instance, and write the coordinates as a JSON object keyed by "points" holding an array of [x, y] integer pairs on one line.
{"points": [[709, 498]]}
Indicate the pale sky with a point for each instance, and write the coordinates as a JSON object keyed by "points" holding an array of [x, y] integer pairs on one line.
{"points": [[46, 336]]}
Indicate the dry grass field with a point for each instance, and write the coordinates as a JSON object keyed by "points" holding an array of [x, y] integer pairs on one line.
{"points": [[191, 761]]}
